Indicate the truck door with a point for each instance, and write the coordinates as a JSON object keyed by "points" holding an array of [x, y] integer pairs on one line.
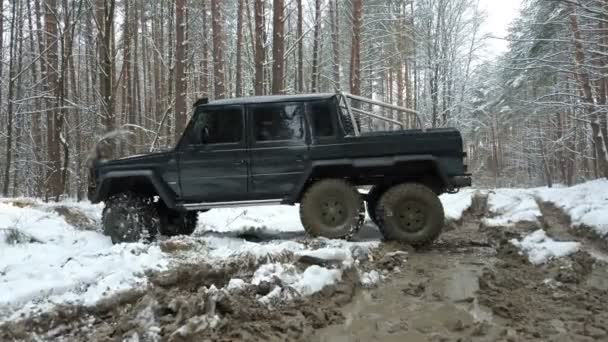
{"points": [[278, 148], [213, 162]]}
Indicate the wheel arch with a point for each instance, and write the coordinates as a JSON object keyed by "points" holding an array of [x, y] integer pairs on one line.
{"points": [[381, 171], [145, 182]]}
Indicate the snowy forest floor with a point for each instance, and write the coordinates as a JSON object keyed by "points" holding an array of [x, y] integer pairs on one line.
{"points": [[511, 265]]}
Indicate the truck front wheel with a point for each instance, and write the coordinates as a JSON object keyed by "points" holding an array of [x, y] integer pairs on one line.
{"points": [[331, 208], [410, 213], [128, 217]]}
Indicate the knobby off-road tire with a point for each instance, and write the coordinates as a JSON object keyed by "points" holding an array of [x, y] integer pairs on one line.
{"points": [[128, 217], [331, 208], [410, 213], [373, 196], [174, 223]]}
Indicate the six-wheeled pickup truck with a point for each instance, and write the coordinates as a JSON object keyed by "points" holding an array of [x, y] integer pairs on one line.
{"points": [[304, 149]]}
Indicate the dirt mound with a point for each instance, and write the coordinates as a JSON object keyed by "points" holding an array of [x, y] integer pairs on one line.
{"points": [[76, 218], [192, 303]]}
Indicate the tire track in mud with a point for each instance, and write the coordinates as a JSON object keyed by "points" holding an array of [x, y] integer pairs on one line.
{"points": [[559, 225]]}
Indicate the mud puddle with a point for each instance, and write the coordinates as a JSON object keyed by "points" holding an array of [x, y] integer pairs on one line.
{"points": [[432, 298]]}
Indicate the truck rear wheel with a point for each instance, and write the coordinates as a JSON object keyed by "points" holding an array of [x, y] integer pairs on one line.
{"points": [[331, 208], [128, 217], [410, 213]]}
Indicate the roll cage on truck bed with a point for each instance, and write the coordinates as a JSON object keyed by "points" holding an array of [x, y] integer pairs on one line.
{"points": [[315, 150]]}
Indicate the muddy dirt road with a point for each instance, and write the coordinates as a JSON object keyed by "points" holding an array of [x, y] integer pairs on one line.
{"points": [[472, 285]]}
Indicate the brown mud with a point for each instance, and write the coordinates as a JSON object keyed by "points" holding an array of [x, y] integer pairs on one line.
{"points": [[471, 285]]}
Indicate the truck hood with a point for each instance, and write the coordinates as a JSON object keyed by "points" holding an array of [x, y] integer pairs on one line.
{"points": [[141, 160]]}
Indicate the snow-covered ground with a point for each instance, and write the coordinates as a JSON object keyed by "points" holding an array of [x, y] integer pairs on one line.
{"points": [[586, 204], [511, 206], [49, 256], [540, 248]]}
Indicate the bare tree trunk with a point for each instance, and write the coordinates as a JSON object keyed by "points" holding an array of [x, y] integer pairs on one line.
{"points": [[54, 178], [218, 49], [315, 48], [9, 110], [260, 50], [205, 71], [105, 19], [583, 78], [355, 56], [278, 47], [127, 102], [181, 116], [300, 33], [239, 49], [335, 41]]}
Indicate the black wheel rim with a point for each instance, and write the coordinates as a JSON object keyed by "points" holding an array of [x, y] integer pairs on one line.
{"points": [[410, 216], [333, 212]]}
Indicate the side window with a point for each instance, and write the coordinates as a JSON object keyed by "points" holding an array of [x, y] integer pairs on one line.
{"points": [[320, 115], [278, 121], [218, 126]]}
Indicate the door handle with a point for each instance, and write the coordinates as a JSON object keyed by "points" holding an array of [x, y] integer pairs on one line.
{"points": [[240, 162]]}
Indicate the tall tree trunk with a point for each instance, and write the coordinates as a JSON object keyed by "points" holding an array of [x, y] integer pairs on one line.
{"points": [[315, 48], [335, 42], [585, 83], [260, 49], [278, 47], [355, 56], [52, 67], [239, 49], [181, 115], [218, 49], [300, 33], [5, 189], [9, 109], [127, 102], [105, 19], [205, 61]]}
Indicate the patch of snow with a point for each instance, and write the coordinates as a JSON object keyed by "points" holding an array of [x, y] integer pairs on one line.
{"points": [[370, 279], [272, 219], [328, 253], [511, 206], [312, 280], [586, 204], [315, 278], [235, 284], [540, 248], [454, 205], [66, 265], [286, 273], [221, 248]]}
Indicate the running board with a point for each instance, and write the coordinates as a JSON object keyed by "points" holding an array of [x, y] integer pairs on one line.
{"points": [[214, 205]]}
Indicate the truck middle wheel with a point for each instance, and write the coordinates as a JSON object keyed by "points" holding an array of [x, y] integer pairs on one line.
{"points": [[331, 208]]}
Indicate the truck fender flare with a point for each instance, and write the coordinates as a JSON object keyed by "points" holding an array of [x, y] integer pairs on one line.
{"points": [[163, 191], [361, 163]]}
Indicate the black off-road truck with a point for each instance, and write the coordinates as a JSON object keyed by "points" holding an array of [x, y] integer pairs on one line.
{"points": [[306, 149]]}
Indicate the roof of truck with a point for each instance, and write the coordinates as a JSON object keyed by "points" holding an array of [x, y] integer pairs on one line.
{"points": [[272, 98]]}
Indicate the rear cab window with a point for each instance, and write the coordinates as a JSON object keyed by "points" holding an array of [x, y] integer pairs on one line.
{"points": [[321, 117]]}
